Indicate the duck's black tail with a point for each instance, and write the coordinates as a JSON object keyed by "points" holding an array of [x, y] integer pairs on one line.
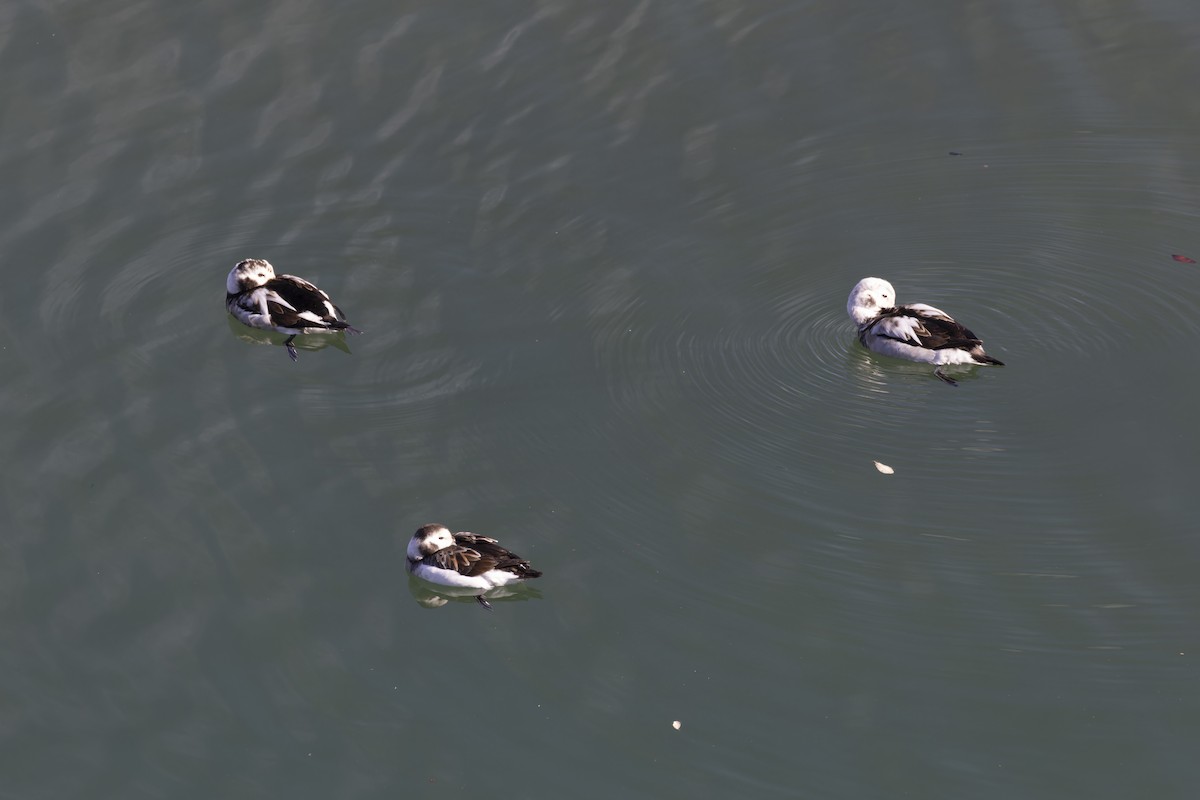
{"points": [[523, 569], [983, 358]]}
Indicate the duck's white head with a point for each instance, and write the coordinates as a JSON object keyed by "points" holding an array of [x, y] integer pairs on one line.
{"points": [[249, 274], [429, 539], [868, 297]]}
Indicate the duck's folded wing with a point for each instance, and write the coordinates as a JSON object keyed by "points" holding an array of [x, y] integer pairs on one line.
{"points": [[463, 560], [305, 299], [923, 326], [490, 551], [294, 302]]}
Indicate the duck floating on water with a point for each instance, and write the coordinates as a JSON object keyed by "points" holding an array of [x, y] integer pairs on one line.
{"points": [[465, 560], [916, 332], [259, 298]]}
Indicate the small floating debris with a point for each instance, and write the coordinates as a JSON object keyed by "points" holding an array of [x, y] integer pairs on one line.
{"points": [[955, 153], [1182, 259], [676, 724], [884, 468]]}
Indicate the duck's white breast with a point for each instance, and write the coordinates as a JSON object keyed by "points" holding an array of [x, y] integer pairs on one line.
{"points": [[448, 577]]}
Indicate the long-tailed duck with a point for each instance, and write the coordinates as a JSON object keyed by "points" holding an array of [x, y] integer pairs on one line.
{"points": [[917, 332], [464, 559], [284, 303]]}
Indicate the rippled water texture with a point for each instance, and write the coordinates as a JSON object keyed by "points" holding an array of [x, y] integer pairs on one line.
{"points": [[601, 255]]}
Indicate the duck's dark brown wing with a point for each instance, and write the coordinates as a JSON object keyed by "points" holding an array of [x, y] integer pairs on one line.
{"points": [[924, 326], [488, 554], [299, 304], [463, 560]]}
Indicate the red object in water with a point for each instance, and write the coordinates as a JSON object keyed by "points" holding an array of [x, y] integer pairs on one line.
{"points": [[1183, 259]]}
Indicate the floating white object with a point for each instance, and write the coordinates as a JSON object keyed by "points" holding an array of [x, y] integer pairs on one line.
{"points": [[676, 724], [884, 468]]}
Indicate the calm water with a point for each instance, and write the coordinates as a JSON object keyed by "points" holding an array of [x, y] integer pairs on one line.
{"points": [[601, 253]]}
